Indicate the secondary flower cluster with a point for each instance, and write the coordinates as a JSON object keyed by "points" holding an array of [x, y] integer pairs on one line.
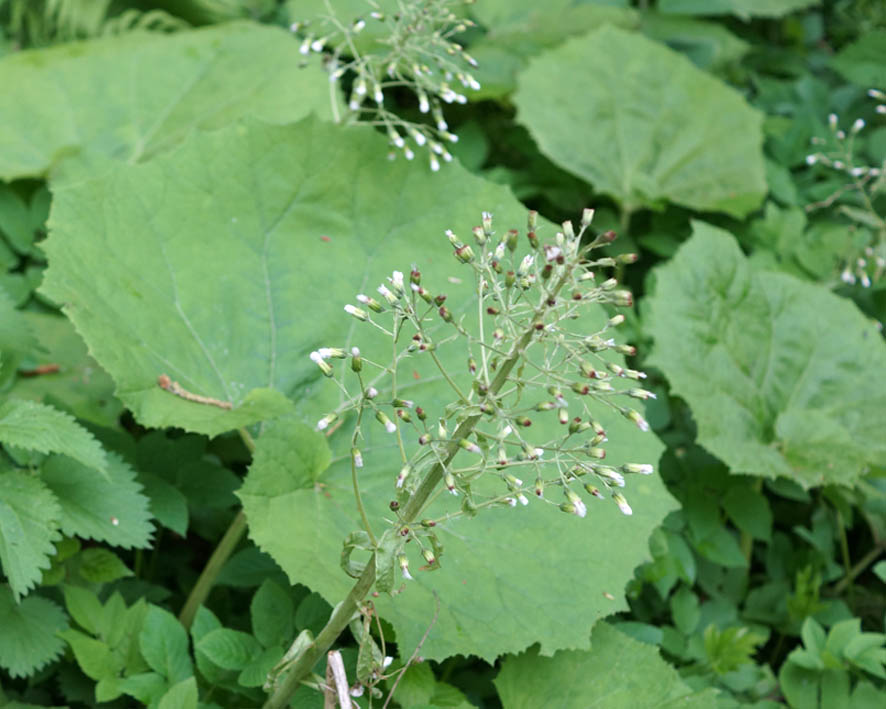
{"points": [[865, 264], [418, 53], [529, 376]]}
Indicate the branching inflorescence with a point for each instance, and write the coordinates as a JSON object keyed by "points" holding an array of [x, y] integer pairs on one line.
{"points": [[865, 182], [417, 53], [527, 359]]}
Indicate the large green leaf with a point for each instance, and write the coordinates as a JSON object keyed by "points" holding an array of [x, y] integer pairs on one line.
{"points": [[618, 672], [226, 262], [132, 96], [643, 124], [29, 638], [784, 378], [742, 8], [29, 515]]}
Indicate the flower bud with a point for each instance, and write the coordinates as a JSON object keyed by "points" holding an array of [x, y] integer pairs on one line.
{"points": [[445, 314], [532, 220], [442, 433], [388, 295], [370, 303], [580, 388], [429, 556], [510, 279], [324, 422], [539, 487], [420, 412], [356, 360], [594, 452], [325, 367], [587, 216], [622, 299], [404, 415], [465, 254], [382, 418], [479, 235], [357, 457], [636, 418], [641, 468], [356, 312], [568, 230], [449, 481], [641, 394], [404, 473], [577, 504], [371, 392], [424, 439], [404, 567], [593, 490], [616, 320], [563, 416], [622, 503], [609, 475], [533, 239], [627, 258], [470, 446]]}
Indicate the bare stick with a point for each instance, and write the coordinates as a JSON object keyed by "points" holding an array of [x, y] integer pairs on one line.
{"points": [[164, 382]]}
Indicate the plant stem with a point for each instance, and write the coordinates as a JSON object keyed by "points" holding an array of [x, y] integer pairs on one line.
{"points": [[207, 578], [858, 568], [220, 555], [343, 612]]}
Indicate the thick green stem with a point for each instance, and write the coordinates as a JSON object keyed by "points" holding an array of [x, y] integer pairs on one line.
{"points": [[220, 555], [338, 621], [207, 578]]}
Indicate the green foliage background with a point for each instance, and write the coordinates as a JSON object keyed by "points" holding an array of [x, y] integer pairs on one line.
{"points": [[176, 198]]}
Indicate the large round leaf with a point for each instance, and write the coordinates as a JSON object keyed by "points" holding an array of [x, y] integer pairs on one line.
{"points": [[132, 96], [643, 124], [784, 378], [226, 262]]}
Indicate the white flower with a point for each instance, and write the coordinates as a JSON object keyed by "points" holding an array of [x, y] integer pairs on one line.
{"points": [[390, 427], [522, 499]]}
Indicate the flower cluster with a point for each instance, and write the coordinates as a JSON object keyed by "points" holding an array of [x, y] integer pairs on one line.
{"points": [[525, 413], [418, 53], [867, 264]]}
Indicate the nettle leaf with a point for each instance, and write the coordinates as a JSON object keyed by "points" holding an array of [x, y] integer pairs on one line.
{"points": [[641, 123], [744, 9], [29, 639], [864, 61], [112, 510], [42, 428], [182, 695], [783, 377], [132, 96], [618, 672], [229, 649], [272, 614], [29, 515], [16, 335]]}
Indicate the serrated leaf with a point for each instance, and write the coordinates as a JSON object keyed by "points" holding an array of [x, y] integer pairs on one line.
{"points": [[272, 614], [617, 673], [182, 695], [229, 649], [29, 515], [791, 383], [642, 124], [42, 428], [29, 639], [256, 672], [864, 61], [112, 510], [164, 645], [147, 687], [80, 386], [205, 78], [744, 9]]}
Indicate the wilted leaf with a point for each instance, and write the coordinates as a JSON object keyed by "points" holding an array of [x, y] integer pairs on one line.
{"points": [[784, 378], [642, 124]]}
